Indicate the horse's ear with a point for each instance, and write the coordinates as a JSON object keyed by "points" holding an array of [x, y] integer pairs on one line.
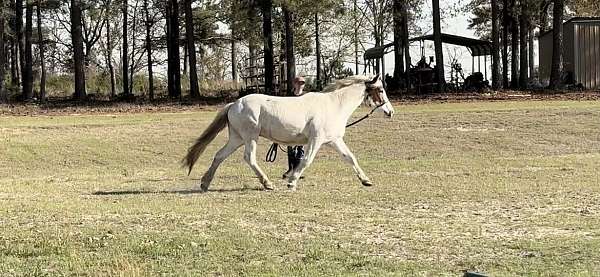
{"points": [[372, 81]]}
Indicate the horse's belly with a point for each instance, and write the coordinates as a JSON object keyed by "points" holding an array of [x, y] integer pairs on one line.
{"points": [[284, 134]]}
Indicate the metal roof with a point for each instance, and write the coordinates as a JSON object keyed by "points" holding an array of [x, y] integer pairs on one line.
{"points": [[476, 46], [377, 52]]}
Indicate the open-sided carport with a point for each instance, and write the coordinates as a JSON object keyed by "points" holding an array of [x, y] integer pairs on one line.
{"points": [[476, 47]]}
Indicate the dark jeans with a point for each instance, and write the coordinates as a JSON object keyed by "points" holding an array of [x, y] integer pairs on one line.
{"points": [[295, 154]]}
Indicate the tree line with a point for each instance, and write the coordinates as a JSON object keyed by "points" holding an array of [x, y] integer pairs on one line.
{"points": [[118, 45]]}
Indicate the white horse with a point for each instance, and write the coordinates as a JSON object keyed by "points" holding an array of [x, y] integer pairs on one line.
{"points": [[313, 119]]}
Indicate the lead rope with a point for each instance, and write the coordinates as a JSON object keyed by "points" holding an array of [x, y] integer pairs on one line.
{"points": [[272, 153], [366, 116]]}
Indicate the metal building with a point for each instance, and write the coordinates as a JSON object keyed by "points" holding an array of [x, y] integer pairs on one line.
{"points": [[581, 38]]}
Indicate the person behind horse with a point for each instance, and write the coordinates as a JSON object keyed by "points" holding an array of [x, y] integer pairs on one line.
{"points": [[295, 153]]}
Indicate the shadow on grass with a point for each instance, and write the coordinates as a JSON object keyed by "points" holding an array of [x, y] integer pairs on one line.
{"points": [[180, 192]]}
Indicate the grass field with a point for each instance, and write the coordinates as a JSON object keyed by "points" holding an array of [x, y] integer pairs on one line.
{"points": [[503, 188]]}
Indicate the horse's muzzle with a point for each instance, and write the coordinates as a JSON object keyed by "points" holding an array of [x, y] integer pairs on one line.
{"points": [[389, 114]]}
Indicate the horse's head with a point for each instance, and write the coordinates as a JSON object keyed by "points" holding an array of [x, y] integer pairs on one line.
{"points": [[377, 97]]}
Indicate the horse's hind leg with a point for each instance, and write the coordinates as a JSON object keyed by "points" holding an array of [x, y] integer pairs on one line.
{"points": [[235, 141], [250, 158]]}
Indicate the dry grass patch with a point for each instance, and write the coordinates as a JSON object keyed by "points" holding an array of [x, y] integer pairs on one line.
{"points": [[505, 188]]}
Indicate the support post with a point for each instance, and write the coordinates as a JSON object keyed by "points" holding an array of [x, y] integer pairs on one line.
{"points": [[485, 66]]}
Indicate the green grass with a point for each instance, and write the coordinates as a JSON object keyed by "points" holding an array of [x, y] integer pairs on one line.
{"points": [[504, 188]]}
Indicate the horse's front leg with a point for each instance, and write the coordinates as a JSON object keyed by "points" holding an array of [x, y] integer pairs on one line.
{"points": [[309, 156], [340, 146]]}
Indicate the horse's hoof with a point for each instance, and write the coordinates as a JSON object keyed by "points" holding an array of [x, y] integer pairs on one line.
{"points": [[291, 187], [367, 183], [268, 187], [287, 174], [204, 187]]}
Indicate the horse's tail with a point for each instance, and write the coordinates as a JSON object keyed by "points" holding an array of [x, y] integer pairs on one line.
{"points": [[206, 138]]}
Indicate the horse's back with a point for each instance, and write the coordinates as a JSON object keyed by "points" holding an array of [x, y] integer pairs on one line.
{"points": [[270, 103], [282, 119]]}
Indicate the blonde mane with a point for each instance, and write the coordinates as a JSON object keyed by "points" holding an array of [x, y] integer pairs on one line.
{"points": [[352, 80]]}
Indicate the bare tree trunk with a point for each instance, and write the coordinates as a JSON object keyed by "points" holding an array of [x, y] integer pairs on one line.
{"points": [[252, 59], [524, 56], [355, 10], [234, 48], [201, 69], [234, 67], [2, 52], [556, 69], [27, 70], [109, 62], [505, 31], [318, 52], [514, 69], [377, 44], [14, 67], [267, 9], [185, 60], [133, 48], [149, 51], [531, 51], [174, 59], [41, 46], [252, 62], [406, 45], [282, 75], [398, 5], [290, 57], [495, 46], [78, 56], [439, 53], [191, 49], [125, 54], [169, 27], [19, 33]]}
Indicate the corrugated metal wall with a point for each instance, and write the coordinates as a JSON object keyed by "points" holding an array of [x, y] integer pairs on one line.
{"points": [[545, 52], [587, 54]]}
